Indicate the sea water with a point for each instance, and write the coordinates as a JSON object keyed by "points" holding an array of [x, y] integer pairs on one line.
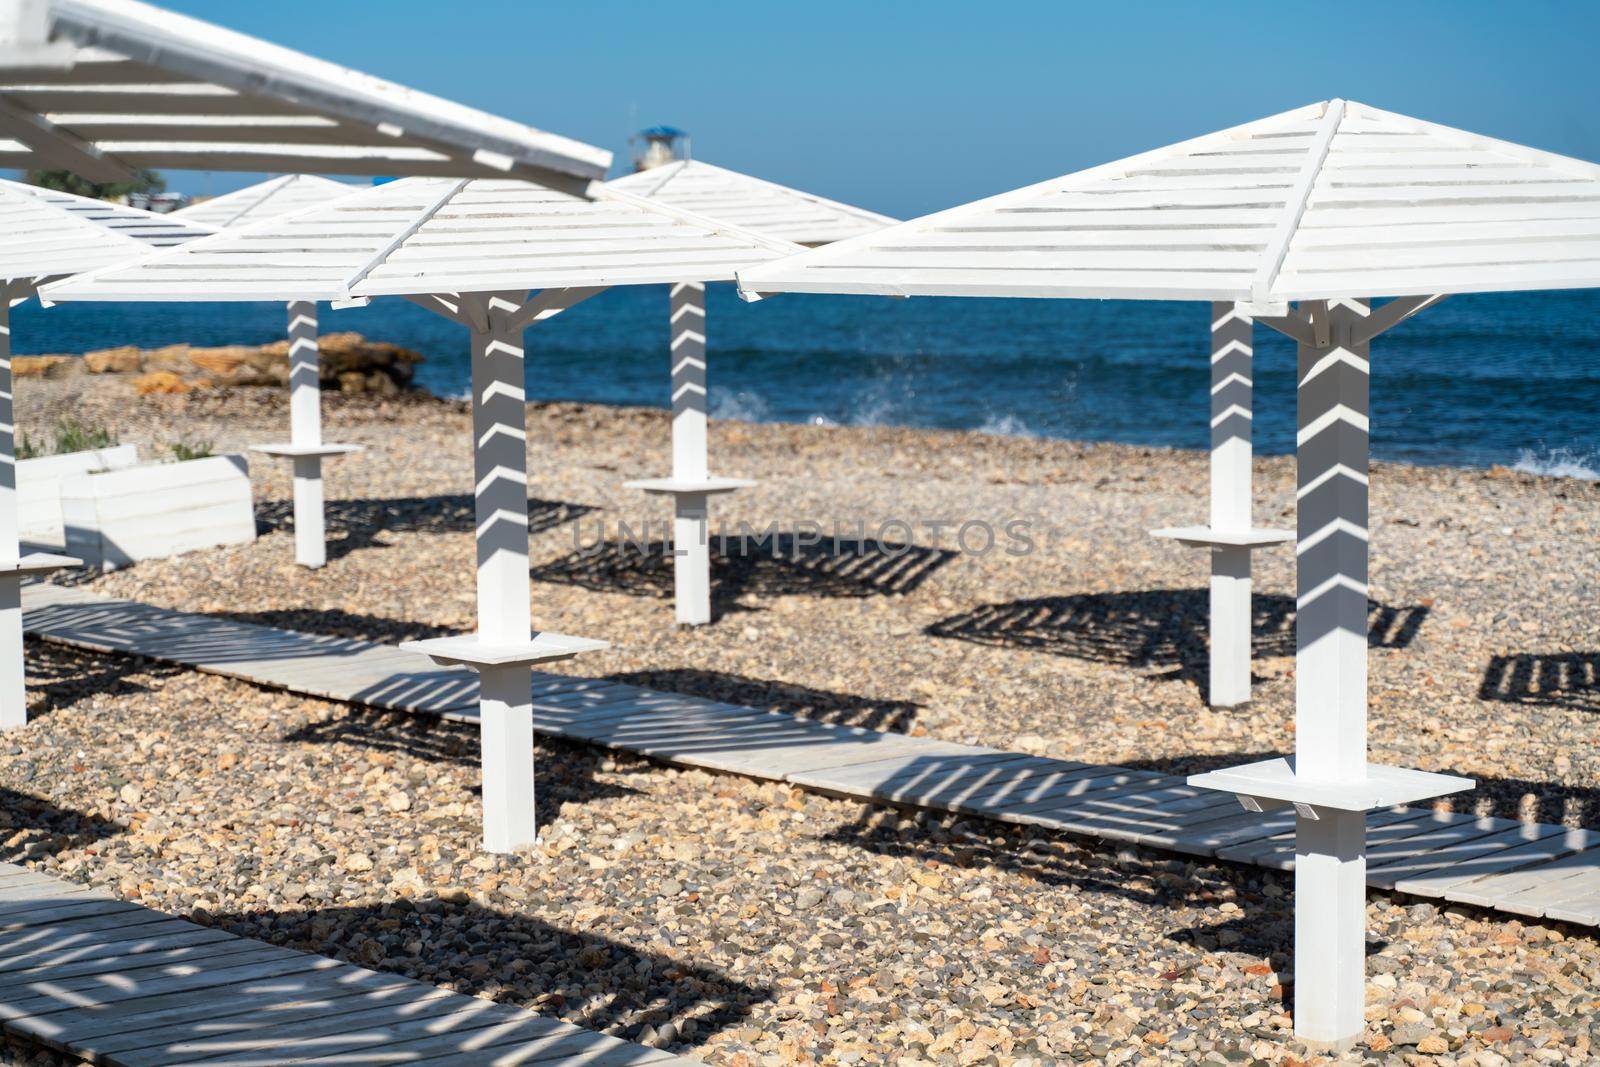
{"points": [[1509, 379]]}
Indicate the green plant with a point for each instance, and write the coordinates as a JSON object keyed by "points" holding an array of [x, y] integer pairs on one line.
{"points": [[26, 449], [183, 451], [143, 181], [74, 436]]}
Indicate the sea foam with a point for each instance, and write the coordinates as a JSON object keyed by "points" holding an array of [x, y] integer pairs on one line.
{"points": [[1558, 463]]}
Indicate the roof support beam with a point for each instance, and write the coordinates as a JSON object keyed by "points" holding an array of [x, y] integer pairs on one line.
{"points": [[1391, 315], [59, 147], [551, 302], [1295, 325], [448, 305], [1295, 208]]}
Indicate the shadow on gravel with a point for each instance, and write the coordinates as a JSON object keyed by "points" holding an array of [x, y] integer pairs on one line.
{"points": [[361, 521], [582, 978], [59, 677], [1568, 680], [1151, 628], [565, 772], [767, 566], [34, 827], [1506, 798], [819, 705], [1059, 860]]}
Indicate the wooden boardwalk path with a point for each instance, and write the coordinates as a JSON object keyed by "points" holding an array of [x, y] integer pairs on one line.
{"points": [[1530, 869], [116, 983]]}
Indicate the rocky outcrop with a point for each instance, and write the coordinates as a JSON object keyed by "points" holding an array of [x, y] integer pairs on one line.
{"points": [[350, 364]]}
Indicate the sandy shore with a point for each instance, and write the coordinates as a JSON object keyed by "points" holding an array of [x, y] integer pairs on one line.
{"points": [[804, 929]]}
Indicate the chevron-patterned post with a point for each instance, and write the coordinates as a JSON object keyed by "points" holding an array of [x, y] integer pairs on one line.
{"points": [[1331, 678], [691, 568], [1230, 535], [500, 473], [1232, 388], [13, 699], [305, 431]]}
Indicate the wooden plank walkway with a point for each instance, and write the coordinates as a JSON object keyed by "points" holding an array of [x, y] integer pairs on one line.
{"points": [[1528, 869], [116, 983]]}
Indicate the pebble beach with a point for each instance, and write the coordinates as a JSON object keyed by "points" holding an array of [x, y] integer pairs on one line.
{"points": [[977, 588]]}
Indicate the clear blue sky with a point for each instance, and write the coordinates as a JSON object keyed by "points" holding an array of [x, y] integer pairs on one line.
{"points": [[909, 107]]}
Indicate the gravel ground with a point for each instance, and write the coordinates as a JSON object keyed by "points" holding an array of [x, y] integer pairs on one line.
{"points": [[807, 929]]}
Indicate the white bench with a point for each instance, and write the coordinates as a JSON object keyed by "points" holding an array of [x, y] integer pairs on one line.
{"points": [[117, 517], [39, 487]]}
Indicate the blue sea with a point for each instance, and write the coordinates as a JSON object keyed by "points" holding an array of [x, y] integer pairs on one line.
{"points": [[1509, 379]]}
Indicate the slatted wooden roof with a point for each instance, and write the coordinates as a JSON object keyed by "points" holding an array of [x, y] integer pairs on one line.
{"points": [[423, 236], [760, 205], [283, 195], [47, 234], [1332, 200], [106, 86]]}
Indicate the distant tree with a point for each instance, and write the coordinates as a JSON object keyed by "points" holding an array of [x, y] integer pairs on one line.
{"points": [[143, 181]]}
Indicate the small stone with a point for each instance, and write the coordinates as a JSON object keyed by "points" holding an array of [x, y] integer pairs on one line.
{"points": [[131, 793], [358, 862]]}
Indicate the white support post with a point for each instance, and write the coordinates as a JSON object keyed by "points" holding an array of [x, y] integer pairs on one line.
{"points": [[1230, 535], [1331, 679], [13, 698], [14, 566], [305, 431], [1329, 781], [306, 450], [1232, 388], [691, 568], [500, 475], [504, 646], [691, 485]]}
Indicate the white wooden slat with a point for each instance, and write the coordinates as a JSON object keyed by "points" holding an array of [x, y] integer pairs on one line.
{"points": [[580, 254], [1525, 849], [1473, 278], [1275, 160], [1456, 234], [1576, 859], [1563, 191], [1258, 183], [177, 98], [1450, 834], [895, 281], [1539, 891], [1086, 237], [1376, 258], [1335, 179], [1114, 199], [1229, 261], [1422, 215], [1278, 852], [1426, 153]]}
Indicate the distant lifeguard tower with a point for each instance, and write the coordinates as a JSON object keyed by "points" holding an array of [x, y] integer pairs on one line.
{"points": [[660, 145]]}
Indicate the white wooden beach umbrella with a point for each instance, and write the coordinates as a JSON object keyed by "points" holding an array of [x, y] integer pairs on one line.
{"points": [[761, 206], [48, 234], [1325, 207], [470, 250], [305, 449], [105, 87]]}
